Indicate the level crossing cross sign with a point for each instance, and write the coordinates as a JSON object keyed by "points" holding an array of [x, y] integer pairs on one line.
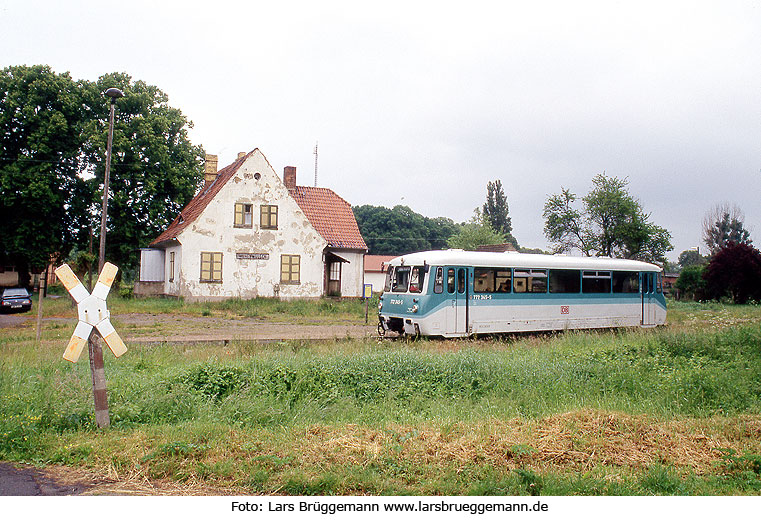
{"points": [[92, 311]]}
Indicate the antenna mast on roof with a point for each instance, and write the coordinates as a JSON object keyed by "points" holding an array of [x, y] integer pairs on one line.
{"points": [[315, 164]]}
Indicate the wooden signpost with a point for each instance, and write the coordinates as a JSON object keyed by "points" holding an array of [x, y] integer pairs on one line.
{"points": [[93, 313]]}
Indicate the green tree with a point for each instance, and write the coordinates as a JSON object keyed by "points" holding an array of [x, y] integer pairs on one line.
{"points": [[155, 168], [496, 210], [42, 119], [401, 230], [690, 283], [475, 233], [690, 258], [722, 225], [610, 223]]}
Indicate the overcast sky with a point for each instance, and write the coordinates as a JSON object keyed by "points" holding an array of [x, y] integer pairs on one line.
{"points": [[423, 103]]}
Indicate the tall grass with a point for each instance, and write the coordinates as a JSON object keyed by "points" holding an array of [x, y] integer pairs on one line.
{"points": [[663, 373], [185, 412]]}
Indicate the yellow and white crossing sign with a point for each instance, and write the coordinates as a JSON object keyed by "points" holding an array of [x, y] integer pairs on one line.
{"points": [[92, 311]]}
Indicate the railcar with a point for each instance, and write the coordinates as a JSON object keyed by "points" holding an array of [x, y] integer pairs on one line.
{"points": [[455, 293]]}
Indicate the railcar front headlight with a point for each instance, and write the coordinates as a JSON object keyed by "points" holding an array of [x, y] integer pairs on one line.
{"points": [[415, 308]]}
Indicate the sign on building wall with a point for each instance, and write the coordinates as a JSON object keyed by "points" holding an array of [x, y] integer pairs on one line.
{"points": [[252, 256]]}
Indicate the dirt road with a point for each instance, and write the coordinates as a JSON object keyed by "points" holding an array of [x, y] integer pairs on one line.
{"points": [[186, 329]]}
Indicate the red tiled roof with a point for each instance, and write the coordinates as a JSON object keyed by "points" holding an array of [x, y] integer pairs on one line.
{"points": [[331, 215], [199, 202], [374, 262]]}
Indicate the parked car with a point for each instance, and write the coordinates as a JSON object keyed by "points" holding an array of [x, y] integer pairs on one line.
{"points": [[15, 299]]}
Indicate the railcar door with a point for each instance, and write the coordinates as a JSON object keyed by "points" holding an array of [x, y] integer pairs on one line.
{"points": [[457, 299], [648, 299]]}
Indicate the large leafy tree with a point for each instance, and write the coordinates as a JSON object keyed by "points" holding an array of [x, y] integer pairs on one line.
{"points": [[610, 222], [691, 258], [42, 121], [734, 271], [496, 211], [722, 225], [52, 130], [478, 231], [400, 230], [155, 168]]}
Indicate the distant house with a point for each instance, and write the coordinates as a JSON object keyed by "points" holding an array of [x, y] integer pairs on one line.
{"points": [[375, 270], [249, 233], [8, 276]]}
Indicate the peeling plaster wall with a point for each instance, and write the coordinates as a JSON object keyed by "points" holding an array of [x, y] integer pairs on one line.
{"points": [[172, 288], [352, 273], [213, 231]]}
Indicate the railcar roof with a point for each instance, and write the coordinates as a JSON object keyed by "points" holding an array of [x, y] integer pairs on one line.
{"points": [[514, 259]]}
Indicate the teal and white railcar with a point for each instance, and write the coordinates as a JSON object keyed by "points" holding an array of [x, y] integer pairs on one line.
{"points": [[458, 293]]}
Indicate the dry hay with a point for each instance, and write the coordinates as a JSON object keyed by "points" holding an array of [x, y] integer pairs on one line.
{"points": [[91, 483], [575, 440]]}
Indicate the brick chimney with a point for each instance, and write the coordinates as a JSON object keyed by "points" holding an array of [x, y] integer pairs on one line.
{"points": [[241, 154], [289, 177], [210, 168]]}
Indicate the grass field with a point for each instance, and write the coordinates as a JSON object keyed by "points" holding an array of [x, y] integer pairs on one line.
{"points": [[674, 410]]}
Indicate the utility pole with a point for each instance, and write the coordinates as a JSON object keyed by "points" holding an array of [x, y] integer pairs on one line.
{"points": [[40, 295]]}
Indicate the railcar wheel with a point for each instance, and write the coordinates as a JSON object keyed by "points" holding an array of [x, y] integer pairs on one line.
{"points": [[381, 330]]}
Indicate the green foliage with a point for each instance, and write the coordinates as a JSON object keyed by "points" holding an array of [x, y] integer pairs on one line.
{"points": [[82, 261], [42, 122], [477, 232], [691, 258], [496, 211], [401, 230], [741, 470], [215, 381], [52, 128], [155, 169], [611, 223], [722, 225], [691, 283]]}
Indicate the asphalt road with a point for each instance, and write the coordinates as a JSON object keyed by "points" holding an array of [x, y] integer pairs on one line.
{"points": [[17, 480]]}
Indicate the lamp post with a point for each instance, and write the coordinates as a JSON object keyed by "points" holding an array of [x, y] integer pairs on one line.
{"points": [[97, 370], [114, 93]]}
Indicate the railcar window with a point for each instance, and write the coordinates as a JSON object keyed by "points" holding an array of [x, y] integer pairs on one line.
{"points": [[503, 280], [659, 283], [596, 282], [486, 280], [401, 279], [483, 280], [625, 282], [417, 279], [389, 278], [530, 281], [461, 280], [564, 281], [438, 284], [450, 280]]}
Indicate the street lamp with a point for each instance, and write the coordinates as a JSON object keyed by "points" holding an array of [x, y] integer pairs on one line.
{"points": [[114, 93], [97, 371]]}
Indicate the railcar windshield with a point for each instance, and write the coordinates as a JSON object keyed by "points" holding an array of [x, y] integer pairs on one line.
{"points": [[404, 278]]}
